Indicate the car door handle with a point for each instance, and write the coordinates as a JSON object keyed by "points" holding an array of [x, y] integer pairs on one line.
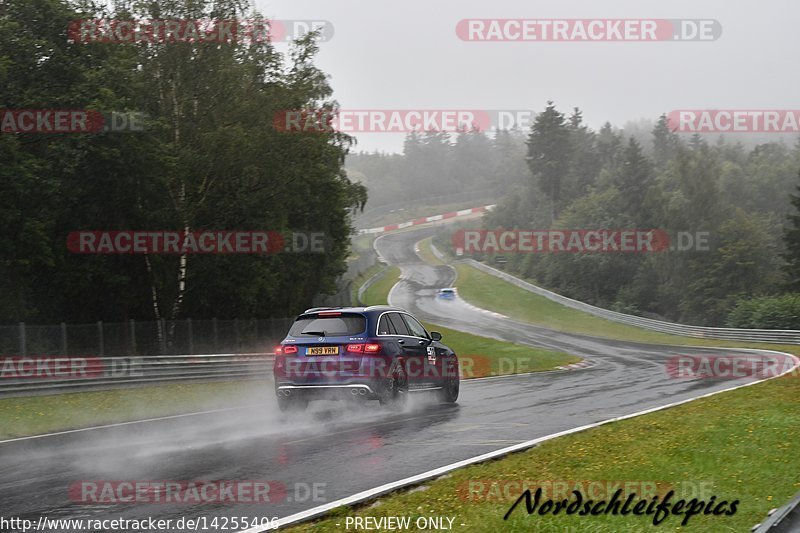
{"points": [[400, 341], [421, 343]]}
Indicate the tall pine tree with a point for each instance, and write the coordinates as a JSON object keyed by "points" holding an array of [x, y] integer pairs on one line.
{"points": [[791, 237]]}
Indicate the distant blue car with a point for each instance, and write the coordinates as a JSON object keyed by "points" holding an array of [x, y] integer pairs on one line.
{"points": [[447, 294]]}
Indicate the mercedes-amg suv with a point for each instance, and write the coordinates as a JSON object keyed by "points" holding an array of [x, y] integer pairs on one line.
{"points": [[369, 353]]}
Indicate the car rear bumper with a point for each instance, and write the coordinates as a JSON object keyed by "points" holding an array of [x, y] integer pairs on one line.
{"points": [[354, 390]]}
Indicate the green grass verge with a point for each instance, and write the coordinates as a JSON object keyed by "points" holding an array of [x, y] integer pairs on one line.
{"points": [[360, 280], [481, 356], [427, 254], [740, 445], [488, 292], [35, 415], [378, 292]]}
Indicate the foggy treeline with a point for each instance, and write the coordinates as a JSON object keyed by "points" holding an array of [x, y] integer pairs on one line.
{"points": [[436, 163]]}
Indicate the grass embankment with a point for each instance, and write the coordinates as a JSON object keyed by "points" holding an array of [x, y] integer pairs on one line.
{"points": [[34, 415], [426, 253], [378, 292], [488, 292], [361, 280]]}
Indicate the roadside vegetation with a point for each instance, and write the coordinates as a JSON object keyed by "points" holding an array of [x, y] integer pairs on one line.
{"points": [[378, 292], [182, 166], [426, 253], [488, 292]]}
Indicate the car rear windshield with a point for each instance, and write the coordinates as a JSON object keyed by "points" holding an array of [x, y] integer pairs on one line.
{"points": [[328, 326]]}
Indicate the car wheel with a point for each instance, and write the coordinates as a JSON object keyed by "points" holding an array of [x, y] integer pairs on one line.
{"points": [[395, 393], [449, 392]]}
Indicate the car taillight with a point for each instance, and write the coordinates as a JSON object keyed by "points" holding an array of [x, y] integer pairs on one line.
{"points": [[285, 350], [370, 347]]}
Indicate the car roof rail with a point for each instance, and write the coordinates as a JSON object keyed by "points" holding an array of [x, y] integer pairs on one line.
{"points": [[315, 309], [384, 306]]}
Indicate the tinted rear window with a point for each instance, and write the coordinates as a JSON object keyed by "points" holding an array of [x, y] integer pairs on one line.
{"points": [[399, 326], [332, 326]]}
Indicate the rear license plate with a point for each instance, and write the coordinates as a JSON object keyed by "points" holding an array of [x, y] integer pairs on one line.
{"points": [[323, 350]]}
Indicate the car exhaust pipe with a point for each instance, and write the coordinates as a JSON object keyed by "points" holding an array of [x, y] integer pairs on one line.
{"points": [[354, 392], [284, 393], [362, 392]]}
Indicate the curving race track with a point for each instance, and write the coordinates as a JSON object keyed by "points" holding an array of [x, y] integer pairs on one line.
{"points": [[345, 449]]}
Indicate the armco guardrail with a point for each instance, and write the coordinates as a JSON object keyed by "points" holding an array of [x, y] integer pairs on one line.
{"points": [[22, 376], [758, 335]]}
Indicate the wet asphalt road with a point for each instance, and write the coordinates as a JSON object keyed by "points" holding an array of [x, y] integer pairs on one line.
{"points": [[336, 450]]}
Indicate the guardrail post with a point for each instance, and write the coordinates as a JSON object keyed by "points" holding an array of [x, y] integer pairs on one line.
{"points": [[236, 333], [163, 336], [64, 346], [100, 340], [132, 330], [191, 337], [23, 343], [216, 335]]}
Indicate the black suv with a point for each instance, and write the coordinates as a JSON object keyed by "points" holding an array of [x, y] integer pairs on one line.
{"points": [[372, 353]]}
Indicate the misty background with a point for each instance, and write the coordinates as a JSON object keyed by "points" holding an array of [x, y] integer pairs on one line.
{"points": [[407, 55]]}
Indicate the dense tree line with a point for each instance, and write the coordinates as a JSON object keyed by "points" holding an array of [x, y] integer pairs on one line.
{"points": [[563, 174], [208, 157], [436, 163], [583, 180]]}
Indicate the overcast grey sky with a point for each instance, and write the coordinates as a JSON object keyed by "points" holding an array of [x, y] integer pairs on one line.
{"points": [[398, 55]]}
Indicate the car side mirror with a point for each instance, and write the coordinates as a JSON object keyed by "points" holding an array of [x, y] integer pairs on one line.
{"points": [[436, 336]]}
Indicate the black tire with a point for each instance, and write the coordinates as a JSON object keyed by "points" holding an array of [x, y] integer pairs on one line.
{"points": [[395, 391], [292, 403], [450, 389]]}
